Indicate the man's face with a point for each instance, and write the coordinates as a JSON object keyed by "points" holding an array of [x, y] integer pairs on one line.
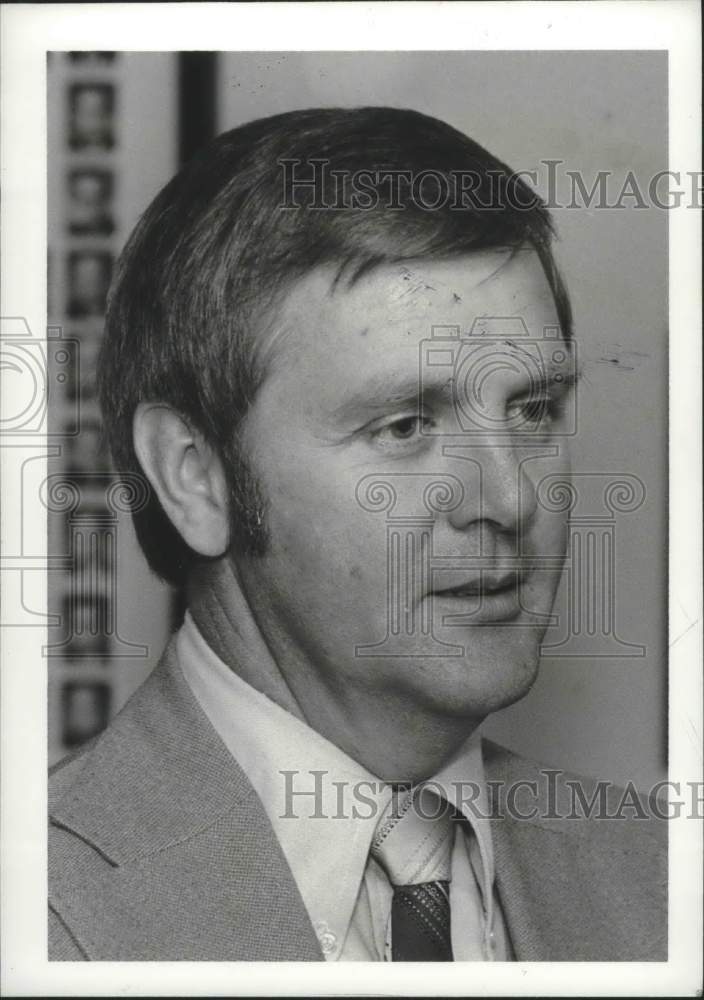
{"points": [[423, 604]]}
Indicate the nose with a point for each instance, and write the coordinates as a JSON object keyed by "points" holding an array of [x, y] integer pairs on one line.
{"points": [[499, 491]]}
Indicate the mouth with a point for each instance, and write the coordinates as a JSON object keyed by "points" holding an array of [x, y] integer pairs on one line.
{"points": [[490, 596]]}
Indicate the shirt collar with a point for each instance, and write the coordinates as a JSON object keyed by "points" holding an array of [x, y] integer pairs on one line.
{"points": [[314, 793], [462, 782]]}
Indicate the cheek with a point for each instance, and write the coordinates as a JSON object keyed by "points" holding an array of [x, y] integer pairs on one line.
{"points": [[312, 505], [343, 572], [322, 535], [548, 529]]}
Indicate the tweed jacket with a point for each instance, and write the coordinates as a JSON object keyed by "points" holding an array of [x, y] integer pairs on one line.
{"points": [[159, 849]]}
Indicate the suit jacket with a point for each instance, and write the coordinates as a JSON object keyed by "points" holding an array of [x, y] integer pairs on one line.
{"points": [[159, 849]]}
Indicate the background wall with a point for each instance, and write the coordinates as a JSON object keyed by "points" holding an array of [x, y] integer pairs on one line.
{"points": [[112, 139], [594, 111]]}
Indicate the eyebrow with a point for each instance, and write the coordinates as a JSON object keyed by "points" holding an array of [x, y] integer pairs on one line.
{"points": [[381, 394]]}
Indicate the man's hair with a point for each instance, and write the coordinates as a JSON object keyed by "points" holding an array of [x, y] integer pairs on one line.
{"points": [[213, 255]]}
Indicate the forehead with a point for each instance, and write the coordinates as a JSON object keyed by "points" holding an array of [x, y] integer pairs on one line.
{"points": [[329, 337]]}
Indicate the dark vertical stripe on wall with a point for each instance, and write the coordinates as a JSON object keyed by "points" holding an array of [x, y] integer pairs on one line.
{"points": [[197, 117], [197, 101]]}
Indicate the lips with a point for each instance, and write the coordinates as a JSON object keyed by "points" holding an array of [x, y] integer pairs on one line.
{"points": [[484, 584], [490, 596]]}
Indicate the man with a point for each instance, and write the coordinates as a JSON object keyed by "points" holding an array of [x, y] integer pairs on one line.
{"points": [[340, 351]]}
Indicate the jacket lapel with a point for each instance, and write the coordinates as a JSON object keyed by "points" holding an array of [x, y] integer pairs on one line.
{"points": [[576, 889], [187, 865], [525, 931]]}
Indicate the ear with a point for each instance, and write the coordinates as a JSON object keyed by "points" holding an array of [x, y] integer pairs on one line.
{"points": [[186, 475]]}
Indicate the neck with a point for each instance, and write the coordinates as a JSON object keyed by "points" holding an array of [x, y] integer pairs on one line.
{"points": [[225, 620], [392, 739]]}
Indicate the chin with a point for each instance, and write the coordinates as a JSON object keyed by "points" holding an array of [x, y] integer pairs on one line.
{"points": [[479, 687]]}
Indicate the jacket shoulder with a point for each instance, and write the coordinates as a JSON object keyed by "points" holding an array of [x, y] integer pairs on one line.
{"points": [[573, 803], [585, 858]]}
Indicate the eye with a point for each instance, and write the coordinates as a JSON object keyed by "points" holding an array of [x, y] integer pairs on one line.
{"points": [[404, 430], [535, 412]]}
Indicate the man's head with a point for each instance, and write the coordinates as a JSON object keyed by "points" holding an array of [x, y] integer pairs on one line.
{"points": [[263, 339], [198, 285]]}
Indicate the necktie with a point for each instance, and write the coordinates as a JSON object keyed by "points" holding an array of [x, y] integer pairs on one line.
{"points": [[412, 843]]}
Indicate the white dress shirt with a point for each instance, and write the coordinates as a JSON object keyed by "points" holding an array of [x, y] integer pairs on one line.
{"points": [[324, 807]]}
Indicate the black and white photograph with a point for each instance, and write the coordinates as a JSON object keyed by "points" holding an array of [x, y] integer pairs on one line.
{"points": [[90, 59], [79, 385], [85, 711], [90, 202], [370, 627], [92, 124], [88, 281], [86, 617], [86, 452]]}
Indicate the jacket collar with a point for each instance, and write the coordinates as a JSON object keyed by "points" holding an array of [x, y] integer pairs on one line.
{"points": [[191, 852]]}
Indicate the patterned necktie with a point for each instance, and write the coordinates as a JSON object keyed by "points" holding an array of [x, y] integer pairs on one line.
{"points": [[412, 843]]}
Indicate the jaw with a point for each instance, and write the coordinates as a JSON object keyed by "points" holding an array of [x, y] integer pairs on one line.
{"points": [[395, 715], [414, 713]]}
